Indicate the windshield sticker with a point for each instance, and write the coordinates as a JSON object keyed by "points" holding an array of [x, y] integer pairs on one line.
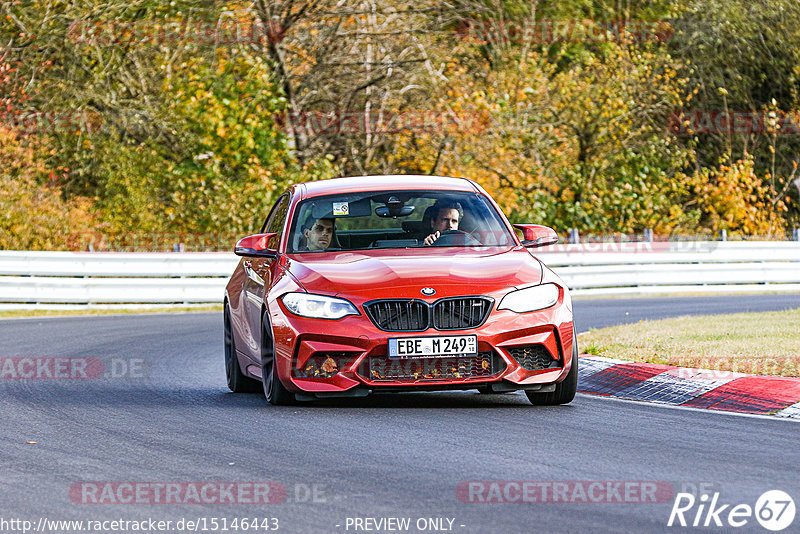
{"points": [[341, 208]]}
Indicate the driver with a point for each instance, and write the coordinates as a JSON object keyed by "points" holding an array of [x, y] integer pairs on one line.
{"points": [[446, 215], [319, 235]]}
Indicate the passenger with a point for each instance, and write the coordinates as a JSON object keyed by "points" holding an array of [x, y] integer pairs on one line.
{"points": [[446, 216], [319, 235]]}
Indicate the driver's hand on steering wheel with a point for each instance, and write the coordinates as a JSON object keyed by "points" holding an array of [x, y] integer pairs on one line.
{"points": [[431, 238]]}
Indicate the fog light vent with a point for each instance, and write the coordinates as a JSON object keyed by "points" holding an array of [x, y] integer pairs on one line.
{"points": [[533, 357], [323, 365]]}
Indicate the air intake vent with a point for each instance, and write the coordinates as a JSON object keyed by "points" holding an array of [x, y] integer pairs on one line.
{"points": [[460, 313], [405, 315], [399, 315], [420, 370]]}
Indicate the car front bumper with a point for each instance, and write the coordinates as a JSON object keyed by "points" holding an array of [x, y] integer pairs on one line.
{"points": [[349, 356]]}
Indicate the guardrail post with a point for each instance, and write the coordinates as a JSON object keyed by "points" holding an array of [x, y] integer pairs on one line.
{"points": [[723, 235], [574, 236], [796, 234], [648, 235]]}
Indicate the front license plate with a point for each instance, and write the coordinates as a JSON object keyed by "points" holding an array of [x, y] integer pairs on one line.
{"points": [[430, 347]]}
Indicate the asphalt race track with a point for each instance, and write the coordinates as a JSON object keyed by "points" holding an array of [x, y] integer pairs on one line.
{"points": [[162, 414]]}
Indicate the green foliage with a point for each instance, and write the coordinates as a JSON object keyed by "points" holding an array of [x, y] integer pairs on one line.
{"points": [[744, 56], [232, 155], [188, 139], [192, 137], [582, 147], [228, 160]]}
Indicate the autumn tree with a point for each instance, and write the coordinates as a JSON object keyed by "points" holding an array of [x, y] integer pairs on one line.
{"points": [[197, 132]]}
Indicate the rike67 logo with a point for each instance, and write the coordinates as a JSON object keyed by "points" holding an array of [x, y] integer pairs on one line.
{"points": [[774, 510]]}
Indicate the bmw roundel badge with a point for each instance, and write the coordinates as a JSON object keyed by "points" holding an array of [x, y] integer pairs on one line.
{"points": [[428, 291]]}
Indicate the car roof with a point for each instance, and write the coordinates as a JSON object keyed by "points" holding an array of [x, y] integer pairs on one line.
{"points": [[386, 182]]}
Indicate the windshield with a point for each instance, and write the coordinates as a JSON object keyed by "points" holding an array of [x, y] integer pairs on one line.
{"points": [[396, 219]]}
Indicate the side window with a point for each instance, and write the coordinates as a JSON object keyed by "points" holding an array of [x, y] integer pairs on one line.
{"points": [[278, 216]]}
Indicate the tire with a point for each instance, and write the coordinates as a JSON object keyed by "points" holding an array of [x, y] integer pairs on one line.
{"points": [[237, 381], [565, 390], [274, 390]]}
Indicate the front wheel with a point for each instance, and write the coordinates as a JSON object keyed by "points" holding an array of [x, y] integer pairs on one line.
{"points": [[274, 390], [565, 390]]}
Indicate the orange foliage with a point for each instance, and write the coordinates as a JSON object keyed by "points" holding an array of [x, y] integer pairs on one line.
{"points": [[734, 198], [32, 216]]}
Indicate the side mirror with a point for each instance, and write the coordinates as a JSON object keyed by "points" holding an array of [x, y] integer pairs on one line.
{"points": [[256, 246], [536, 235]]}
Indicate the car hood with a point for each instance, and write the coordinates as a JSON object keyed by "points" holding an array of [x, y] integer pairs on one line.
{"points": [[386, 273]]}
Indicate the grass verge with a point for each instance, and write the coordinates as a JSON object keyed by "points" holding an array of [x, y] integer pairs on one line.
{"points": [[106, 311], [754, 343]]}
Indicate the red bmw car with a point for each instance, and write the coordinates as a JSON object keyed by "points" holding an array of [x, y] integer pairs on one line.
{"points": [[396, 283]]}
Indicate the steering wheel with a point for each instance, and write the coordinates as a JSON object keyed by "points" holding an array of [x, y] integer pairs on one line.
{"points": [[457, 238]]}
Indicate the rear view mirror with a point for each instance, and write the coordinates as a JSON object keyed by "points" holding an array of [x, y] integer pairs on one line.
{"points": [[535, 235], [403, 211], [394, 207]]}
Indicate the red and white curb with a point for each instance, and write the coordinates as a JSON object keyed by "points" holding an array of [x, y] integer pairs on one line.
{"points": [[697, 388]]}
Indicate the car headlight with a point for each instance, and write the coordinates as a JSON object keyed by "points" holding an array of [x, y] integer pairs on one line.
{"points": [[318, 306], [530, 298]]}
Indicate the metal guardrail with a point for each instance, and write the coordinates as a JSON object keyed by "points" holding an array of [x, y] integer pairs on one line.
{"points": [[673, 267], [110, 279], [80, 279]]}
